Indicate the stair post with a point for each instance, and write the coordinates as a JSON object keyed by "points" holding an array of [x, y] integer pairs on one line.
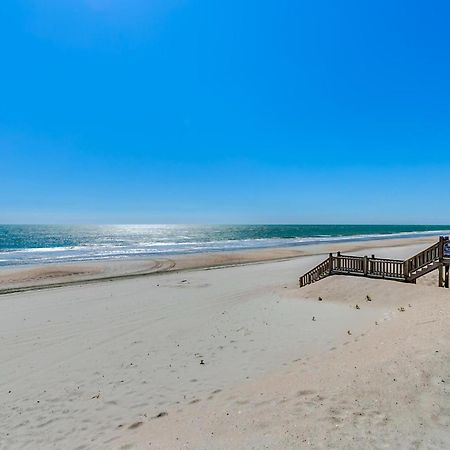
{"points": [[330, 263], [443, 273], [365, 265], [441, 247], [406, 269]]}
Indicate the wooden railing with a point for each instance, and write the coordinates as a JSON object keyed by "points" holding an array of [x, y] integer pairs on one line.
{"points": [[424, 258], [386, 268], [320, 271], [372, 267], [344, 263]]}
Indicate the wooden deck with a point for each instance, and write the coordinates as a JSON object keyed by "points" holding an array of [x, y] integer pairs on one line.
{"points": [[407, 271]]}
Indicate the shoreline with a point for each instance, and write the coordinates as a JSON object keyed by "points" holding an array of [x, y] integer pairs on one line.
{"points": [[23, 278]]}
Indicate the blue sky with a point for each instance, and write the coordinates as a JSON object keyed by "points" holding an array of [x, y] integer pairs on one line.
{"points": [[189, 111]]}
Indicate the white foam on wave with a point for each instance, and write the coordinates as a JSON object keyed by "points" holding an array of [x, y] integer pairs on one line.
{"points": [[139, 249]]}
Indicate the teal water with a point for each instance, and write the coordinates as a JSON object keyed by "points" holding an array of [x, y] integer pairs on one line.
{"points": [[37, 244]]}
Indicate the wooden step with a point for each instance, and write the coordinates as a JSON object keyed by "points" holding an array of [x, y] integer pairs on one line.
{"points": [[423, 271]]}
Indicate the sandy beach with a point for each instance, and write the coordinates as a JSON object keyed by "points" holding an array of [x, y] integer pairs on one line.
{"points": [[224, 225], [224, 351]]}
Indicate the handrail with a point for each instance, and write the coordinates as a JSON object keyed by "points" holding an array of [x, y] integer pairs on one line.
{"points": [[424, 258], [340, 255], [316, 273]]}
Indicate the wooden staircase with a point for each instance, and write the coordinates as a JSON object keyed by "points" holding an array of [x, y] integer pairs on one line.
{"points": [[433, 265], [408, 271]]}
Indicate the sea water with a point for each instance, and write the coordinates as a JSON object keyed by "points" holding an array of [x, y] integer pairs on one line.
{"points": [[38, 244]]}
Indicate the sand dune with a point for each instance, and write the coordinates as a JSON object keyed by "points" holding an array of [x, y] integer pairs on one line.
{"points": [[385, 387]]}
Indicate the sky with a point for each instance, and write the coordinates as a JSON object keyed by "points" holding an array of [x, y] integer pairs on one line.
{"points": [[191, 111]]}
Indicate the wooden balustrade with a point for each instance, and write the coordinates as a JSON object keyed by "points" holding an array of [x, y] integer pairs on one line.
{"points": [[423, 258], [394, 269], [320, 271]]}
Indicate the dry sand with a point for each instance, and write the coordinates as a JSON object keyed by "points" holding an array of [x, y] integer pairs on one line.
{"points": [[228, 358]]}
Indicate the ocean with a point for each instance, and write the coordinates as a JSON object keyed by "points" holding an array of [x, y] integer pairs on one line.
{"points": [[40, 244]]}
